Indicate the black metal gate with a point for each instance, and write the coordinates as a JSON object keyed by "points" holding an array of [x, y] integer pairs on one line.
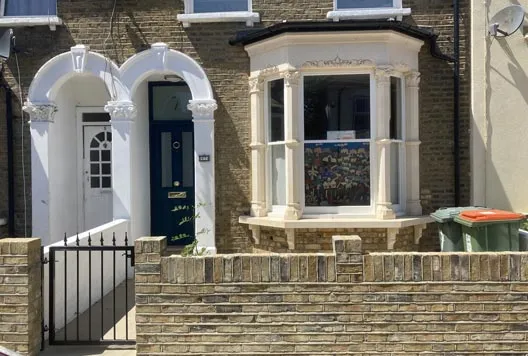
{"points": [[90, 294]]}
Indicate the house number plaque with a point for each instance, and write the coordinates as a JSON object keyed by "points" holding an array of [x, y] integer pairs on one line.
{"points": [[204, 158]]}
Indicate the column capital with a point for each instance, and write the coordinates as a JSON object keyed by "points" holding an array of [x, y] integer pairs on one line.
{"points": [[383, 74], [121, 111], [413, 79], [202, 109], [256, 85], [291, 77], [41, 112]]}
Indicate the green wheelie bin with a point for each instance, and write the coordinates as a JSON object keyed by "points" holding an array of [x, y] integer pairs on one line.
{"points": [[490, 230], [449, 232]]}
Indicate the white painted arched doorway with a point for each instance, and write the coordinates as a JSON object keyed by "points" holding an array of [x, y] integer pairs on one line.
{"points": [[126, 104]]}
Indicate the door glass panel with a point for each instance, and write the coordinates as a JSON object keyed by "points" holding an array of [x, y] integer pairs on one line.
{"points": [[94, 156], [106, 168], [166, 159], [169, 102], [106, 182], [105, 155], [94, 182], [94, 168], [187, 159]]}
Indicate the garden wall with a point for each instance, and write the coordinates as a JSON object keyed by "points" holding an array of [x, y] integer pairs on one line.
{"points": [[339, 303]]}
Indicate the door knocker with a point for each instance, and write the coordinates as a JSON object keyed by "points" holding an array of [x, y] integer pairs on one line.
{"points": [[176, 145]]}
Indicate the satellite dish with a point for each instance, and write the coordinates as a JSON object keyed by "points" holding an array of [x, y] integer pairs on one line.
{"points": [[6, 43], [507, 21]]}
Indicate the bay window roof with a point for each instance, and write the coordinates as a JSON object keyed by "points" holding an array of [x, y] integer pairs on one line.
{"points": [[251, 36]]}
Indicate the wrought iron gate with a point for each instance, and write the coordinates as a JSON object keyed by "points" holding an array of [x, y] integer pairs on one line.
{"points": [[91, 303]]}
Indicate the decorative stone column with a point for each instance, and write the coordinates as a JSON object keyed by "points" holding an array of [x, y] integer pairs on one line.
{"points": [[41, 118], [204, 172], [122, 115], [258, 148], [293, 157], [383, 200], [412, 143]]}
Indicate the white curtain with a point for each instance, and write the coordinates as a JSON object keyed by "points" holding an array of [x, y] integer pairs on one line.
{"points": [[30, 7]]}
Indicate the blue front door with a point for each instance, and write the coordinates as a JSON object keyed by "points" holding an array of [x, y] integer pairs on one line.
{"points": [[171, 163]]}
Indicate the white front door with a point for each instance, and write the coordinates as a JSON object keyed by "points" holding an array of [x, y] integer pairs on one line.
{"points": [[97, 175]]}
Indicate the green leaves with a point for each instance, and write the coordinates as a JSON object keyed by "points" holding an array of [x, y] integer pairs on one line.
{"points": [[192, 248]]}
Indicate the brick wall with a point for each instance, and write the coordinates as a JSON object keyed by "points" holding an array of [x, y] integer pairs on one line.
{"points": [[342, 303], [320, 240], [138, 24], [20, 295]]}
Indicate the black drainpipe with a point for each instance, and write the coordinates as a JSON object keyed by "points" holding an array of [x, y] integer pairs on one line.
{"points": [[10, 170], [456, 98]]}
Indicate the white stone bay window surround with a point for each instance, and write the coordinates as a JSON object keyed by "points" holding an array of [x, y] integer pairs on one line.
{"points": [[335, 133]]}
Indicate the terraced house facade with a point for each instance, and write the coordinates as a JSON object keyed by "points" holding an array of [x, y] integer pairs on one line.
{"points": [[278, 123]]}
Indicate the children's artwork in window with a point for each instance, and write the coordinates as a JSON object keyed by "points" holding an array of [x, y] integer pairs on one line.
{"points": [[337, 174], [101, 160]]}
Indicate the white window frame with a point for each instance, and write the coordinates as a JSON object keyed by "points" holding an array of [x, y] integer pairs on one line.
{"points": [[344, 211], [20, 21], [400, 209], [396, 12], [273, 210], [189, 17]]}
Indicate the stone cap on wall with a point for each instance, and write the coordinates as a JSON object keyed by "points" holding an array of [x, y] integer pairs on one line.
{"points": [[345, 265]]}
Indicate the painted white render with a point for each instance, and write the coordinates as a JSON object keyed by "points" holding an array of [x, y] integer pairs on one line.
{"points": [[499, 126], [82, 78]]}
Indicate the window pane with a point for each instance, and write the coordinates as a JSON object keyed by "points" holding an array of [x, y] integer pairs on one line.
{"points": [[106, 182], [337, 107], [105, 155], [94, 169], [169, 102], [278, 175], [30, 7], [95, 117], [276, 110], [220, 5], [363, 4], [166, 159], [94, 182], [337, 174], [396, 119], [395, 172]]}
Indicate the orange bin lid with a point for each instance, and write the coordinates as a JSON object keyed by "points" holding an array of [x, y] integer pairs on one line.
{"points": [[490, 215]]}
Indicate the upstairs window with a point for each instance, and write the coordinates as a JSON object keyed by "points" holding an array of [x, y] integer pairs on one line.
{"points": [[203, 6], [24, 8], [203, 11], [368, 10]]}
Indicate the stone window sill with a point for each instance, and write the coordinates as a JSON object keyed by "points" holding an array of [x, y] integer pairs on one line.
{"points": [[238, 16], [21, 21], [393, 226], [368, 14]]}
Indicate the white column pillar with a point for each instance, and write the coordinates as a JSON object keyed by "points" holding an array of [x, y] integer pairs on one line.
{"points": [[122, 115], [383, 202], [258, 148], [204, 172], [293, 145], [412, 143], [41, 118]]}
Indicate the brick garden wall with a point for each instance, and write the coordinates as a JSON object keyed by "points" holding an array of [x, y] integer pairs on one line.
{"points": [[138, 24], [340, 303], [20, 295]]}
